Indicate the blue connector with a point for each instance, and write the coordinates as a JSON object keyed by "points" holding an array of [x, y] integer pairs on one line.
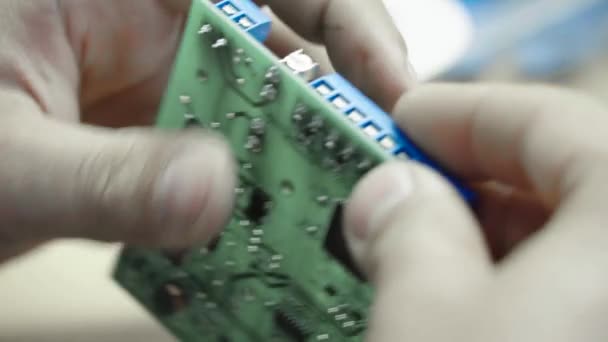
{"points": [[248, 16], [376, 123]]}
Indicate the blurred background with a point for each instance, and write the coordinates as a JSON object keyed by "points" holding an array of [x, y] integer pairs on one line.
{"points": [[63, 292]]}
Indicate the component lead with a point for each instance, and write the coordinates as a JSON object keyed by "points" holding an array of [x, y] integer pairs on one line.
{"points": [[312, 229], [333, 310], [185, 99], [205, 29], [322, 199], [220, 43], [255, 240], [269, 92], [340, 317], [323, 337]]}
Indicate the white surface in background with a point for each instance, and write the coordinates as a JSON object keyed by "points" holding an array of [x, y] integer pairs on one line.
{"points": [[64, 292], [437, 32]]}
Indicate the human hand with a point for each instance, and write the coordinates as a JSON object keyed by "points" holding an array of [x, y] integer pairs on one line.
{"points": [[425, 252], [68, 65]]}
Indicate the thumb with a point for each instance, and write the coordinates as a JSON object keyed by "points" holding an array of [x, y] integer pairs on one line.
{"points": [[420, 247], [137, 186]]}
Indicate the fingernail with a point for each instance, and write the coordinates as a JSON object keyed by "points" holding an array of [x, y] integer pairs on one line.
{"points": [[193, 182], [377, 197]]}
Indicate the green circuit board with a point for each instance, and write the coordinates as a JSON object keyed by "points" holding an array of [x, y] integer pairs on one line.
{"points": [[280, 271]]}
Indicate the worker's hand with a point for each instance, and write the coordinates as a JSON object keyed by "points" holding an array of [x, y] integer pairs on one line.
{"points": [[68, 65], [425, 252]]}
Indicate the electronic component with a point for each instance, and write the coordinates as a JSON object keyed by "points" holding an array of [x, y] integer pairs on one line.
{"points": [[302, 65], [280, 271], [248, 16]]}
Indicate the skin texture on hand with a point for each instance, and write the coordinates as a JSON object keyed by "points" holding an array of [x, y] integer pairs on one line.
{"points": [[74, 74], [540, 158]]}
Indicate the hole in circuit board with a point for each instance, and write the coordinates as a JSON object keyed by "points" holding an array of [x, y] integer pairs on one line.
{"points": [[259, 206]]}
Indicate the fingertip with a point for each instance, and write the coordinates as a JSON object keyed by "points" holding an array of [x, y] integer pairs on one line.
{"points": [[195, 193], [372, 201]]}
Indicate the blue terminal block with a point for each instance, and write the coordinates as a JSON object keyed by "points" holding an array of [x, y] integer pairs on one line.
{"points": [[376, 123], [248, 16]]}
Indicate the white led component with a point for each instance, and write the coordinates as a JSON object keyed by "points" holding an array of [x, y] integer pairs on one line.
{"points": [[229, 9], [388, 142], [355, 116], [340, 102], [302, 65], [371, 130]]}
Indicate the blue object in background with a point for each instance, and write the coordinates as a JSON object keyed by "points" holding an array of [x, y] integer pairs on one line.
{"points": [[544, 37]]}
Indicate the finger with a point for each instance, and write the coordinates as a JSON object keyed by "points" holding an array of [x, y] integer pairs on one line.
{"points": [[507, 133], [138, 186], [421, 247], [361, 39], [284, 40], [508, 216], [563, 270]]}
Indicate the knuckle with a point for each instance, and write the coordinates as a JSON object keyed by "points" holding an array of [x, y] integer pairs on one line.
{"points": [[112, 184]]}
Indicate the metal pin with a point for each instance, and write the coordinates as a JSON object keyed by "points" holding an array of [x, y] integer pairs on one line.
{"points": [[269, 92], [277, 257], [340, 317], [254, 143], [348, 324], [220, 43], [333, 310], [312, 229], [205, 29], [323, 337], [252, 249], [244, 223], [322, 199], [215, 125], [364, 164], [247, 166], [240, 81], [239, 191], [217, 282], [257, 232], [185, 99], [255, 240], [230, 116]]}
